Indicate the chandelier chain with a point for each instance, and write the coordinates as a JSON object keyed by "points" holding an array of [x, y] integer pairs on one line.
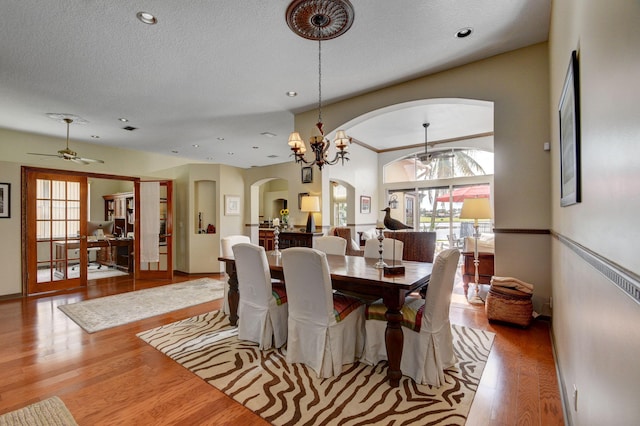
{"points": [[319, 79]]}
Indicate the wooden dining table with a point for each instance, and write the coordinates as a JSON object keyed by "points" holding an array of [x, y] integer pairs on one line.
{"points": [[357, 274]]}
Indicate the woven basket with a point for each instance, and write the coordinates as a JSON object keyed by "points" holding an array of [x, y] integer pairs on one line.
{"points": [[508, 305]]}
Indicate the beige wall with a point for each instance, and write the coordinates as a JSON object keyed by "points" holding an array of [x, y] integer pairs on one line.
{"points": [[595, 324], [518, 84]]}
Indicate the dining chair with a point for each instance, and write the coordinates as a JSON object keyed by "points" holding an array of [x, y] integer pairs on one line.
{"points": [[227, 243], [331, 244], [326, 330], [428, 341], [372, 249], [263, 307]]}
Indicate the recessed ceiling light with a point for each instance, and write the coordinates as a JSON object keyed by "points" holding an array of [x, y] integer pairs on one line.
{"points": [[220, 138], [195, 145], [464, 32], [124, 120], [292, 94], [146, 18], [268, 134]]}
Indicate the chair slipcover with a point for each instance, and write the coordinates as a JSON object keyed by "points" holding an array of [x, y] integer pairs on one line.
{"points": [[331, 244], [353, 248], [372, 247], [317, 337], [261, 318], [429, 351], [227, 243]]}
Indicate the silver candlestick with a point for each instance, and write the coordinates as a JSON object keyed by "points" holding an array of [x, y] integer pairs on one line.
{"points": [[276, 240], [380, 263]]}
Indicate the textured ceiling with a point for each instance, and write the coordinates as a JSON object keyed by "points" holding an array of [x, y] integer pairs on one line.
{"points": [[220, 69]]}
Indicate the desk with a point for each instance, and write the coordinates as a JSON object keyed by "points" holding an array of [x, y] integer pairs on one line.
{"points": [[119, 253], [357, 274]]}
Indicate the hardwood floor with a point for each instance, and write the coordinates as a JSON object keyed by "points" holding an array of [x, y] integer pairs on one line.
{"points": [[113, 378]]}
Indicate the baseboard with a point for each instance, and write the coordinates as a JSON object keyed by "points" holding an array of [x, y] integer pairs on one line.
{"points": [[564, 398]]}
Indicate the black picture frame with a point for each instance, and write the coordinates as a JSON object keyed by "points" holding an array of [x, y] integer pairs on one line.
{"points": [[307, 175], [5, 200], [569, 114], [300, 195]]}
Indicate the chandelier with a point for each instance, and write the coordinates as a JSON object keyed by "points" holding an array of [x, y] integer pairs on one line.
{"points": [[320, 20]]}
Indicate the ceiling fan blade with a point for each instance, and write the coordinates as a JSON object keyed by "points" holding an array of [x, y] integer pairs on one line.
{"points": [[79, 160], [45, 155], [90, 160]]}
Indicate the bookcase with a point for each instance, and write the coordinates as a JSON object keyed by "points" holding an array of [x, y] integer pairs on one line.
{"points": [[120, 209]]}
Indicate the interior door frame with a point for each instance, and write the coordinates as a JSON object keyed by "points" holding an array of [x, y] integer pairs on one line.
{"points": [[25, 170]]}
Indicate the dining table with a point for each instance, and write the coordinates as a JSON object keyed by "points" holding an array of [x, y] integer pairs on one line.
{"points": [[357, 275]]}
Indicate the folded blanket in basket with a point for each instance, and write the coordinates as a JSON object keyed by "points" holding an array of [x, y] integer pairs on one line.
{"points": [[510, 282]]}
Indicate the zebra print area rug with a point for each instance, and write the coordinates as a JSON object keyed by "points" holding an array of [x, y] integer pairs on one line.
{"points": [[285, 394]]}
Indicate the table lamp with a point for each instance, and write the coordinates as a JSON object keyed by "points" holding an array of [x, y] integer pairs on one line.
{"points": [[476, 208], [310, 204]]}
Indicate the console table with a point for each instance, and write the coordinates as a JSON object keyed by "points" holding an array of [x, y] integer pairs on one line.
{"points": [[485, 269]]}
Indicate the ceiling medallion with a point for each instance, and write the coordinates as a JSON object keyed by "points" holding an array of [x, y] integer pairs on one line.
{"points": [[320, 19]]}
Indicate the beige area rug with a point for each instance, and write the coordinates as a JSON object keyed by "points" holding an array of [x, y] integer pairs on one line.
{"points": [[285, 394], [50, 412], [111, 311]]}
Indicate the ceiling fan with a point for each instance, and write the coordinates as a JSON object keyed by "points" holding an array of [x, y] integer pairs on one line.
{"points": [[67, 154], [426, 157]]}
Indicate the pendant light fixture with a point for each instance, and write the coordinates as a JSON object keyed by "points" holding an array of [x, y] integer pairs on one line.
{"points": [[320, 20]]}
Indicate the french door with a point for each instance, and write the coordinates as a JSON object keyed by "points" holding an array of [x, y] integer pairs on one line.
{"points": [[55, 229]]}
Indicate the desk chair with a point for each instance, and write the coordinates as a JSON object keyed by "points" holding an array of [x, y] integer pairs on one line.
{"points": [[90, 251]]}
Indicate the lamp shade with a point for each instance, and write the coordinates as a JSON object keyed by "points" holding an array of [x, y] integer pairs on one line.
{"points": [[310, 204], [476, 208]]}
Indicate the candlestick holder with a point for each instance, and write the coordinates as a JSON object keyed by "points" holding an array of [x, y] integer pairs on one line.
{"points": [[276, 241], [380, 263]]}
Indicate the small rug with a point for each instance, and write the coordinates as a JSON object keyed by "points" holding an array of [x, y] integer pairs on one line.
{"points": [[111, 311], [285, 394], [50, 412]]}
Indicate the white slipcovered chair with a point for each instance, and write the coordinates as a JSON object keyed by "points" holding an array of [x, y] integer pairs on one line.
{"points": [[372, 247], [227, 243], [428, 341], [326, 330], [331, 244], [263, 306]]}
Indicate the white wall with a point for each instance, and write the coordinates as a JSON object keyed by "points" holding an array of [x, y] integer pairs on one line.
{"points": [[595, 324]]}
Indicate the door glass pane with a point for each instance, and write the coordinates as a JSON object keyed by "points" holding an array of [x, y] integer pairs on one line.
{"points": [[43, 188], [43, 209], [59, 190]]}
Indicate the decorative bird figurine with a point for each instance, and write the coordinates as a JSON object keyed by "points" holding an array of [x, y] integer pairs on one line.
{"points": [[391, 223]]}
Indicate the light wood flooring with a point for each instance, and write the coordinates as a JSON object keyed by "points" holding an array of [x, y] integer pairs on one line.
{"points": [[113, 378]]}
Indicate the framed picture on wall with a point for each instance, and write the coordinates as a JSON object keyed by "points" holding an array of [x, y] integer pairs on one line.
{"points": [[365, 204], [569, 112], [300, 195], [5, 200], [307, 175], [232, 205]]}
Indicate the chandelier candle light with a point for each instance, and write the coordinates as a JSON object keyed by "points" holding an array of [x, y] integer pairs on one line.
{"points": [[320, 20], [476, 208]]}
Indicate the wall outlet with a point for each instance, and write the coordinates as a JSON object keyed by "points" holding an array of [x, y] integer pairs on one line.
{"points": [[575, 398]]}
